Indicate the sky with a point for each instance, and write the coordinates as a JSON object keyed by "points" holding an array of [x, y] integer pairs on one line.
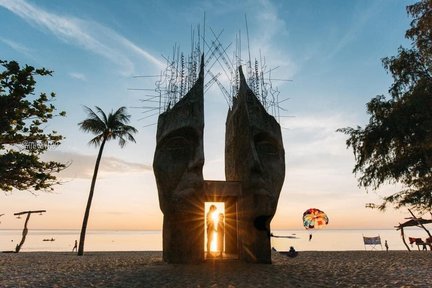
{"points": [[331, 50]]}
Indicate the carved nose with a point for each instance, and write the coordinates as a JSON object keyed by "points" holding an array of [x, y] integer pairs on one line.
{"points": [[255, 161], [197, 162]]}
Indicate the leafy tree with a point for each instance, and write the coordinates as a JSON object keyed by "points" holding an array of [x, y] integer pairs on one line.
{"points": [[23, 119], [396, 144], [105, 128]]}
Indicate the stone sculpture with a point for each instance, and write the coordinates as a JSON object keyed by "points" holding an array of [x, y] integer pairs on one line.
{"points": [[254, 169], [177, 165], [254, 155]]}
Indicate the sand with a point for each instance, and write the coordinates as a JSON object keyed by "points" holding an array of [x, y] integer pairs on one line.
{"points": [[146, 269]]}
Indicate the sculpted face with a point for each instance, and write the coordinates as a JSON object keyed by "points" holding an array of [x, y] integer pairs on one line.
{"points": [[178, 166], [179, 155], [254, 152], [266, 169]]}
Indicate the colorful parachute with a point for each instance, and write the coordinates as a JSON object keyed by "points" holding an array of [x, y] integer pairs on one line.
{"points": [[314, 218]]}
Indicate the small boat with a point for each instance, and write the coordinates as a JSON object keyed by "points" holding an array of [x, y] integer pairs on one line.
{"points": [[52, 239], [289, 237]]}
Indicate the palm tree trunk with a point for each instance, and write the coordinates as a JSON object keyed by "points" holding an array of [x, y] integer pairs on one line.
{"points": [[89, 201]]}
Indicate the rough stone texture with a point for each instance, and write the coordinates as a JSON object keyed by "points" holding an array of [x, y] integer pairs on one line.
{"points": [[254, 168], [177, 164], [254, 155]]}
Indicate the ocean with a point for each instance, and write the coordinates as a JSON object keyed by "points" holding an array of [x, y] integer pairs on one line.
{"points": [[151, 240]]}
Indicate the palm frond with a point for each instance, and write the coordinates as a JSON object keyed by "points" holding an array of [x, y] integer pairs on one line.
{"points": [[96, 141], [121, 115], [93, 123], [102, 113], [124, 133], [91, 114], [93, 126], [108, 127]]}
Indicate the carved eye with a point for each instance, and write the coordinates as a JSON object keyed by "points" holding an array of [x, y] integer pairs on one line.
{"points": [[176, 143], [266, 147]]}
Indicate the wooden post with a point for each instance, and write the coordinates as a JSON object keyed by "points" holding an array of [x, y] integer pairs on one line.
{"points": [[403, 238], [25, 230]]}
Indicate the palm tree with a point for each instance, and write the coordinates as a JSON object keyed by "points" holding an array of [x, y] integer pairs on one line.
{"points": [[105, 128]]}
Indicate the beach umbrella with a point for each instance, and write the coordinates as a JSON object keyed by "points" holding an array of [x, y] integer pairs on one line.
{"points": [[314, 218]]}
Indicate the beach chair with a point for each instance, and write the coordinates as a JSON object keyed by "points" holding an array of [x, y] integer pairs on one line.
{"points": [[372, 242]]}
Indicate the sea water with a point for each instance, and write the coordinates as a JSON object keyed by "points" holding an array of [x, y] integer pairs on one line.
{"points": [[343, 239], [151, 240], [95, 240]]}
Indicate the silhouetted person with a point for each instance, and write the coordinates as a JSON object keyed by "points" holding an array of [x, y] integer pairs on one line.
{"points": [[210, 227], [310, 237], [75, 247], [292, 253], [220, 234], [386, 245]]}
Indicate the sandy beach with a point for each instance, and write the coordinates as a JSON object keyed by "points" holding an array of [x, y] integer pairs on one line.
{"points": [[146, 269]]}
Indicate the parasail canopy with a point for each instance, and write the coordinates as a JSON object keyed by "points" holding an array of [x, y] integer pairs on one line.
{"points": [[314, 218]]}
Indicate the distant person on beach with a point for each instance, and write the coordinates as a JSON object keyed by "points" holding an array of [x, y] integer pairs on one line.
{"points": [[220, 234], [310, 237], [292, 252], [210, 227], [386, 245], [75, 247]]}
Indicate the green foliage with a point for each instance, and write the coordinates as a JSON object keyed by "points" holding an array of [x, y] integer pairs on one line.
{"points": [[23, 117], [396, 144], [108, 127]]}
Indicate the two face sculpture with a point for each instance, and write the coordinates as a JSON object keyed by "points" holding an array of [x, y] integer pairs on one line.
{"points": [[254, 156]]}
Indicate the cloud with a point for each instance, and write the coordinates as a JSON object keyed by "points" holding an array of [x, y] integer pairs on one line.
{"points": [[88, 35], [265, 27], [327, 122], [311, 135], [358, 23], [78, 76], [16, 46], [270, 28], [81, 166]]}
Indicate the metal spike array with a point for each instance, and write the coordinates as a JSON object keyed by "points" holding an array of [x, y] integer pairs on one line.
{"points": [[181, 73]]}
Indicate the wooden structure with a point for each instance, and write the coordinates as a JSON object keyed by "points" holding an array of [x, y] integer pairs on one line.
{"points": [[25, 230], [415, 222]]}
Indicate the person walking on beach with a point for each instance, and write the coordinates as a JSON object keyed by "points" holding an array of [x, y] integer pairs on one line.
{"points": [[386, 245], [75, 247], [210, 227], [220, 234]]}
